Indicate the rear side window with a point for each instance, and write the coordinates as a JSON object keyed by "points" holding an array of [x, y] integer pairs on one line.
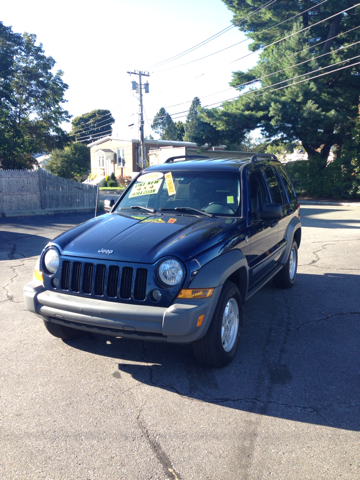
{"points": [[277, 195], [287, 182]]}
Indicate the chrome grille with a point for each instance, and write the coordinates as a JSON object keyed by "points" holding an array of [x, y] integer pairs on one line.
{"points": [[101, 280]]}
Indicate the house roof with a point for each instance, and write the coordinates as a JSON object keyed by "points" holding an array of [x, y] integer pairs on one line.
{"points": [[156, 142], [106, 150]]}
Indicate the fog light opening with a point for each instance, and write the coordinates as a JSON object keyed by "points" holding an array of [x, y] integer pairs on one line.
{"points": [[156, 295]]}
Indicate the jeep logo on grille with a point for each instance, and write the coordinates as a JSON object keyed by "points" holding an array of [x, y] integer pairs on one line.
{"points": [[108, 252]]}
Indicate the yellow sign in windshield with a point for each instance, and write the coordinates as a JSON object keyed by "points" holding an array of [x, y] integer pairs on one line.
{"points": [[147, 185], [170, 184]]}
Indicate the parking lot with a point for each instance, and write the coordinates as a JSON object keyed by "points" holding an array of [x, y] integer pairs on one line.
{"points": [[287, 407]]}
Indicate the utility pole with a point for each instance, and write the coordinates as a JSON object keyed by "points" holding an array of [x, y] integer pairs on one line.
{"points": [[139, 87]]}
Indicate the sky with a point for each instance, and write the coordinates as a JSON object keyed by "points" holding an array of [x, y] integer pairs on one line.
{"points": [[95, 44]]}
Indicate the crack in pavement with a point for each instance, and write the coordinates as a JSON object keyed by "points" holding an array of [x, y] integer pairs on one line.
{"points": [[158, 450], [327, 317], [11, 255], [316, 254]]}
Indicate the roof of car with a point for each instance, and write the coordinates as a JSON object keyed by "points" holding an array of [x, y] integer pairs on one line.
{"points": [[224, 164]]}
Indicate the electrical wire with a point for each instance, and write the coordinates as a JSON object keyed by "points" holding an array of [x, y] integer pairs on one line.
{"points": [[270, 74], [304, 50], [189, 50], [183, 113], [238, 43], [309, 79], [195, 47], [295, 33]]}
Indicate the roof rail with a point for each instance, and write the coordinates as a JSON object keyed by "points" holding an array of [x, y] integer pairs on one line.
{"points": [[186, 158], [269, 156]]}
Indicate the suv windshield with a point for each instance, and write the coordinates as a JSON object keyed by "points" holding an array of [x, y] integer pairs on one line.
{"points": [[213, 192]]}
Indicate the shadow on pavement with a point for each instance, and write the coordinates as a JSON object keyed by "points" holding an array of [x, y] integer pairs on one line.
{"points": [[23, 236], [298, 357]]}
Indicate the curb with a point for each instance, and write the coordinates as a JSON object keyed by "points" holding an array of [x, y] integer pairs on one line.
{"points": [[30, 213], [319, 202]]}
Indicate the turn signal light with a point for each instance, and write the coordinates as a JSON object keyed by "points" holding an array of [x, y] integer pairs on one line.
{"points": [[38, 275], [196, 293]]}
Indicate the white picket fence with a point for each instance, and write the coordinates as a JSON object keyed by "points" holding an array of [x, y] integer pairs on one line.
{"points": [[38, 191]]}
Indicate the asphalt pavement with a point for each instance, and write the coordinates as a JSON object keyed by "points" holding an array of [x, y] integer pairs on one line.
{"points": [[287, 407]]}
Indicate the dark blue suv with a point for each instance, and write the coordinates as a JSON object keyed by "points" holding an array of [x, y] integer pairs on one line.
{"points": [[181, 250]]}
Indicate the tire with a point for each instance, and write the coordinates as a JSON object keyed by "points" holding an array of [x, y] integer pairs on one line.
{"points": [[59, 331], [218, 347], [287, 275]]}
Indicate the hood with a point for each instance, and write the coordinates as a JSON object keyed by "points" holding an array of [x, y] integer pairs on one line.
{"points": [[144, 238]]}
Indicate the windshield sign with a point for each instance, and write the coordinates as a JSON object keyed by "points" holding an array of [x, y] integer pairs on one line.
{"points": [[216, 193]]}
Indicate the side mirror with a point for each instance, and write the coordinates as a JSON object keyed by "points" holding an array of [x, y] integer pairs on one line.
{"points": [[108, 204], [271, 211]]}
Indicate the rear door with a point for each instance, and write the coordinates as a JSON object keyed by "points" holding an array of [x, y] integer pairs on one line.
{"points": [[278, 195]]}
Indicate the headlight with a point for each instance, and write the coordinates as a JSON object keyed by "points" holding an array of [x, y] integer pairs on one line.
{"points": [[51, 260], [171, 272]]}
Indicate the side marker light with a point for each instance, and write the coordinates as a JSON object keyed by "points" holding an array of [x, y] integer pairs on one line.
{"points": [[200, 320]]}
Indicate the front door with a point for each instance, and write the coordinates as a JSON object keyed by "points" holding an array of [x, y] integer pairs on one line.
{"points": [[263, 233], [109, 167]]}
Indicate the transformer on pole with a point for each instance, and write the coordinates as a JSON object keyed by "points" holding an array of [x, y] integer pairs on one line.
{"points": [[139, 87]]}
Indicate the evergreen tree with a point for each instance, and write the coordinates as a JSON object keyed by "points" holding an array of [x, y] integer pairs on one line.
{"points": [[197, 130], [180, 129], [92, 126], [30, 100], [318, 112], [164, 125]]}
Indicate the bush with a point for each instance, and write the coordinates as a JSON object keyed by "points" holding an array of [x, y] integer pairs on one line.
{"points": [[124, 181], [340, 178], [111, 183]]}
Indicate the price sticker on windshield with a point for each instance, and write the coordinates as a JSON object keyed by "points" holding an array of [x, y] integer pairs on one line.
{"points": [[170, 184], [149, 187]]}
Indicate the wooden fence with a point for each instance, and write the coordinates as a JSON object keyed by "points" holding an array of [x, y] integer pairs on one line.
{"points": [[37, 191]]}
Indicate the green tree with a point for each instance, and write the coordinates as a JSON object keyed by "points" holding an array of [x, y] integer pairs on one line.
{"points": [[196, 129], [91, 126], [180, 129], [318, 112], [30, 100], [72, 162], [164, 125]]}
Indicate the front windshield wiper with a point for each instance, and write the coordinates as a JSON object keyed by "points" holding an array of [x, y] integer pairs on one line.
{"points": [[139, 207], [189, 209]]}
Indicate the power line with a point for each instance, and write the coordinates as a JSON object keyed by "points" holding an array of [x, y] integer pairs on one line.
{"points": [[304, 50], [242, 41], [195, 47], [204, 42], [295, 33], [278, 71], [312, 78], [288, 80]]}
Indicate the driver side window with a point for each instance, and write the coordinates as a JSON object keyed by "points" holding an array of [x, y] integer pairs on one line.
{"points": [[258, 194]]}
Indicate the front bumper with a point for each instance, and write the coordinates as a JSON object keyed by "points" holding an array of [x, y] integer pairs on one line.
{"points": [[175, 324]]}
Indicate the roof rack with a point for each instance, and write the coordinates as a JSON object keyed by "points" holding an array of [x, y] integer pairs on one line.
{"points": [[186, 158], [269, 156]]}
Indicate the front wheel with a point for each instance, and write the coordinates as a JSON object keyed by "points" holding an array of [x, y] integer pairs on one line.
{"points": [[287, 275], [60, 331], [218, 347]]}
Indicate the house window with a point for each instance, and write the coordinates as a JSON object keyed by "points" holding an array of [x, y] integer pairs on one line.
{"points": [[120, 155], [101, 160]]}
